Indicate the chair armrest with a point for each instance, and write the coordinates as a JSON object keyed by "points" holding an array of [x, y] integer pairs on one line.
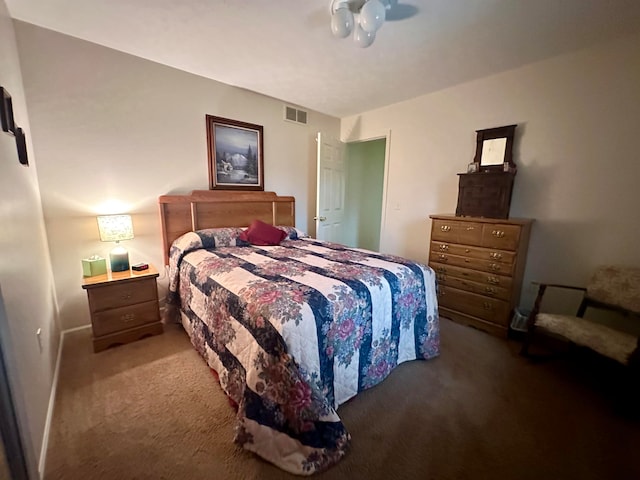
{"points": [[559, 285]]}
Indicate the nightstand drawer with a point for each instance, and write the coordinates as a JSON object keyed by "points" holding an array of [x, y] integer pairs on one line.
{"points": [[122, 294], [118, 319]]}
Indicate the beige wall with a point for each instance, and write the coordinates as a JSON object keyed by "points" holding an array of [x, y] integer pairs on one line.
{"points": [[110, 126], [576, 152], [27, 297]]}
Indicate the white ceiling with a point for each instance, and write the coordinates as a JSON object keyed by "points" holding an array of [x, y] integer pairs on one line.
{"points": [[284, 48]]}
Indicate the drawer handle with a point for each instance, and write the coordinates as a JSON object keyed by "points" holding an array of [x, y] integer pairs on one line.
{"points": [[495, 255], [493, 280], [126, 296], [466, 250], [494, 266], [490, 290], [487, 306], [498, 233], [442, 269], [443, 258], [470, 228], [128, 317], [445, 228], [444, 246], [466, 260]]}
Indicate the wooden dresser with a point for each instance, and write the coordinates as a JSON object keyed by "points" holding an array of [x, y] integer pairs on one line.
{"points": [[124, 307], [479, 264]]}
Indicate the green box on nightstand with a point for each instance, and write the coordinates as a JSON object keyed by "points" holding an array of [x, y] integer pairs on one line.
{"points": [[93, 266]]}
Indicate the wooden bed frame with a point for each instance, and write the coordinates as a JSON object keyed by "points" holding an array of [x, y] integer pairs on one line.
{"points": [[201, 209]]}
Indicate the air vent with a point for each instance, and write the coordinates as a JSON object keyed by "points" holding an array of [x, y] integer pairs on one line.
{"points": [[294, 115]]}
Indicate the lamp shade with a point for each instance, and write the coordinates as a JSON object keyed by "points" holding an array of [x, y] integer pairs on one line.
{"points": [[114, 228]]}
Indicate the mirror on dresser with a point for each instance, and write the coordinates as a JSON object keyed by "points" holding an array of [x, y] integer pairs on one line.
{"points": [[494, 148]]}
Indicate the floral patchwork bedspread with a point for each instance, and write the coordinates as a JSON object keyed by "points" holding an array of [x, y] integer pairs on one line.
{"points": [[297, 329]]}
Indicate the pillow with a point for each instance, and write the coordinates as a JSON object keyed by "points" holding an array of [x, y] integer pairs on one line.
{"points": [[292, 232], [260, 233], [219, 237]]}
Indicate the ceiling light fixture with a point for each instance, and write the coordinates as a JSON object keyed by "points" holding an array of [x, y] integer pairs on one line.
{"points": [[371, 16]]}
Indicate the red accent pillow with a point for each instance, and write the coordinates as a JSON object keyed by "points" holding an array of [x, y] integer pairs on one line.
{"points": [[260, 233]]}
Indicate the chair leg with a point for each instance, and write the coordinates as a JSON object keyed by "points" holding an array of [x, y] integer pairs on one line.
{"points": [[524, 351], [528, 340], [632, 384], [531, 323]]}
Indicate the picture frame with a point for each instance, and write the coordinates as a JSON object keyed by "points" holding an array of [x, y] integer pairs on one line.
{"points": [[21, 146], [235, 151], [472, 167], [7, 122]]}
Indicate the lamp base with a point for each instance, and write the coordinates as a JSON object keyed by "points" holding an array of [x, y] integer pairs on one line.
{"points": [[119, 259]]}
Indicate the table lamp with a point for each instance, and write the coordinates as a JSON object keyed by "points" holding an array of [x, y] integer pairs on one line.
{"points": [[114, 228]]}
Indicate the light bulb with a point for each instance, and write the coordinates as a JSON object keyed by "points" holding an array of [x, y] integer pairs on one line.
{"points": [[363, 38], [342, 21], [372, 15]]}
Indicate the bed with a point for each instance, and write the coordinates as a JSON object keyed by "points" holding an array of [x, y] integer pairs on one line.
{"points": [[295, 327]]}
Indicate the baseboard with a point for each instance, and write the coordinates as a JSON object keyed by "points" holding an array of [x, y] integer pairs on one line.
{"points": [[52, 399]]}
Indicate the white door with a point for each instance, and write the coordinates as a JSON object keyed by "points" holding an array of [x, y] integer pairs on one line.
{"points": [[330, 188]]}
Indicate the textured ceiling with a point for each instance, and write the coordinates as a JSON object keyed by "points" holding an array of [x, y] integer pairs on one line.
{"points": [[284, 48]]}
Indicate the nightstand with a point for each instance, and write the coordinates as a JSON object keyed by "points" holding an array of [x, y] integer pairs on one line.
{"points": [[124, 307]]}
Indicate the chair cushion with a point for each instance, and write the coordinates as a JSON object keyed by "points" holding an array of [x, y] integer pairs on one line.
{"points": [[616, 285], [606, 341]]}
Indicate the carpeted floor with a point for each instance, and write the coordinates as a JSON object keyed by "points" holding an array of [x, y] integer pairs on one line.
{"points": [[153, 410]]}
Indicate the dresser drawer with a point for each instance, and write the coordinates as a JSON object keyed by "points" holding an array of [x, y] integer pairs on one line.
{"points": [[501, 236], [490, 309], [474, 252], [473, 263], [491, 291], [474, 275], [452, 231], [122, 294], [118, 319]]}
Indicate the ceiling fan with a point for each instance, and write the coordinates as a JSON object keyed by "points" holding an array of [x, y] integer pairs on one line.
{"points": [[371, 15]]}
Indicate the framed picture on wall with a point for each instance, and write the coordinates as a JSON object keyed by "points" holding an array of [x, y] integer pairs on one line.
{"points": [[235, 154], [6, 112], [21, 145]]}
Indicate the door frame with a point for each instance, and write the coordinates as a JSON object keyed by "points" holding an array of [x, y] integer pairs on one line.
{"points": [[386, 134]]}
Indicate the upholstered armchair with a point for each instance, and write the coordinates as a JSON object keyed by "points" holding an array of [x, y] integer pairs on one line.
{"points": [[611, 288]]}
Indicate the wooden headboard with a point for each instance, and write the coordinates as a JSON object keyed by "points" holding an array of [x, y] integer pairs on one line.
{"points": [[180, 214]]}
